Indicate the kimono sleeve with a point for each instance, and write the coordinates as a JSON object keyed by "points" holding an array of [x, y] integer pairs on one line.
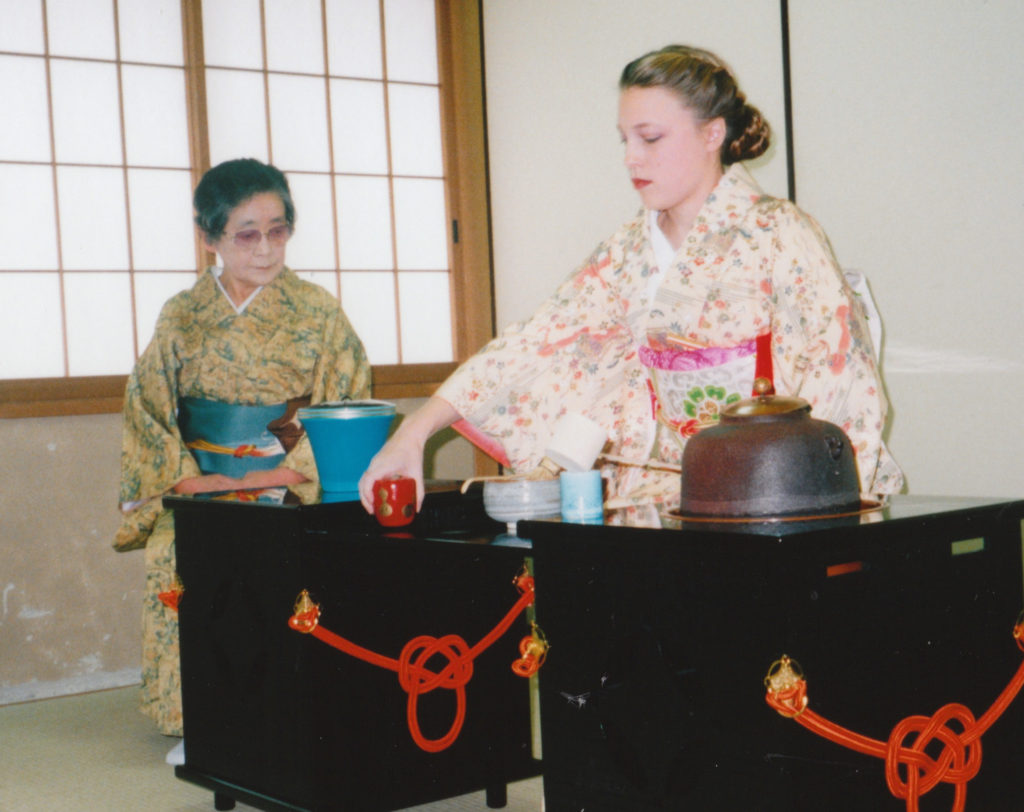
{"points": [[563, 358], [341, 370], [822, 347], [154, 457]]}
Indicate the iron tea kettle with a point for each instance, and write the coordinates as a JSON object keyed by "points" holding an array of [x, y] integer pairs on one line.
{"points": [[768, 457]]}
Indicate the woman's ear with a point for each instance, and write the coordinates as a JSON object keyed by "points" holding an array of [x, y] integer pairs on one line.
{"points": [[714, 134], [207, 244]]}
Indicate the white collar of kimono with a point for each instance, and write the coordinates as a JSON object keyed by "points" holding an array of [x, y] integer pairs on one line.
{"points": [[239, 308], [664, 253]]}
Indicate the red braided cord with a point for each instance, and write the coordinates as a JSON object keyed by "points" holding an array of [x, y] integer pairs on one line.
{"points": [[958, 762], [413, 675]]}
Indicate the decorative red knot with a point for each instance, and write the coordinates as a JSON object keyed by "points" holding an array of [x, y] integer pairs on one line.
{"points": [[306, 614], [415, 679], [957, 763], [524, 582], [787, 689], [247, 450], [533, 650], [172, 597], [414, 676], [910, 770]]}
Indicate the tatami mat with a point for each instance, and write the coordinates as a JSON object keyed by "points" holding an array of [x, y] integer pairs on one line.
{"points": [[98, 752]]}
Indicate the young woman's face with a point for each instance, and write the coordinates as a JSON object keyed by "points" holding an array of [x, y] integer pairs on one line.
{"points": [[252, 246], [673, 159]]}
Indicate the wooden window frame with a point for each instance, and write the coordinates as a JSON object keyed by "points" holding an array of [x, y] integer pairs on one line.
{"points": [[465, 150]]}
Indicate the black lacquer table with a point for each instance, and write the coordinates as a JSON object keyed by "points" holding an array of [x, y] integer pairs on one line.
{"points": [[278, 719], [662, 630]]}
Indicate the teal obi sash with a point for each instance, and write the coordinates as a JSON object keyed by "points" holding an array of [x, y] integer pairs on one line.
{"points": [[230, 439]]}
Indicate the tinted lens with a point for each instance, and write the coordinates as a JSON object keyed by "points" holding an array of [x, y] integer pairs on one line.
{"points": [[251, 237], [248, 238], [279, 234]]}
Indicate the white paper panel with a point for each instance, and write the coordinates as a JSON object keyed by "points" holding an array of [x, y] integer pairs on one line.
{"points": [[152, 290], [236, 114], [353, 39], [368, 300], [312, 244], [86, 115], [415, 130], [163, 236], [358, 128], [81, 28], [30, 325], [231, 33], [298, 123], [23, 100], [155, 119], [364, 223], [28, 230], [425, 308], [420, 224], [151, 31], [22, 30], [94, 233], [411, 40], [295, 40], [328, 280], [98, 307]]}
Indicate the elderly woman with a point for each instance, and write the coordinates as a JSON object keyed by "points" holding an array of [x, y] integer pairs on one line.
{"points": [[209, 405], [671, 317]]}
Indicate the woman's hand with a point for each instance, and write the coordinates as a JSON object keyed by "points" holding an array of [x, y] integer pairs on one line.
{"points": [[402, 455], [207, 483], [272, 478], [253, 480]]}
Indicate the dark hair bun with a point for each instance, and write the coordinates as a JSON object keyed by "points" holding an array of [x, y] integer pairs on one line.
{"points": [[752, 140]]}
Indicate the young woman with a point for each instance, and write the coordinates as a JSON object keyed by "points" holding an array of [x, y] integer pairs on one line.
{"points": [[669, 318]]}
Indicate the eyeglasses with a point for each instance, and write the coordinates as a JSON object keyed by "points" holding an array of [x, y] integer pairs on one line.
{"points": [[251, 237]]}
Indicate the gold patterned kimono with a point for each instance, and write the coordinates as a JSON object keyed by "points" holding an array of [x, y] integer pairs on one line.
{"points": [[750, 266], [292, 341]]}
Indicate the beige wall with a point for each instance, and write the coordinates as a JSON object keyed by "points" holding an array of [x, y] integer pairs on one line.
{"points": [[908, 119], [69, 618], [71, 606]]}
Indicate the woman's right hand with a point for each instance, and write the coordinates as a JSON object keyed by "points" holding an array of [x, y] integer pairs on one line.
{"points": [[402, 455]]}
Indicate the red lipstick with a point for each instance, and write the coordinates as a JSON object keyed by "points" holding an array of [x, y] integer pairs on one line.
{"points": [[640, 183]]}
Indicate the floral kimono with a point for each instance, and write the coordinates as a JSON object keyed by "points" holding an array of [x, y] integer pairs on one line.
{"points": [[652, 351], [291, 344]]}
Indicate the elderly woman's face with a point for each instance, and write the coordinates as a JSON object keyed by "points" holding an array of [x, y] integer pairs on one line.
{"points": [[252, 246]]}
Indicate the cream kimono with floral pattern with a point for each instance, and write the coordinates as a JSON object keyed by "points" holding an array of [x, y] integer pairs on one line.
{"points": [[751, 264], [292, 341]]}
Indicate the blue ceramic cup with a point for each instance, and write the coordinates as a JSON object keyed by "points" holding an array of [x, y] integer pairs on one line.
{"points": [[582, 496]]}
